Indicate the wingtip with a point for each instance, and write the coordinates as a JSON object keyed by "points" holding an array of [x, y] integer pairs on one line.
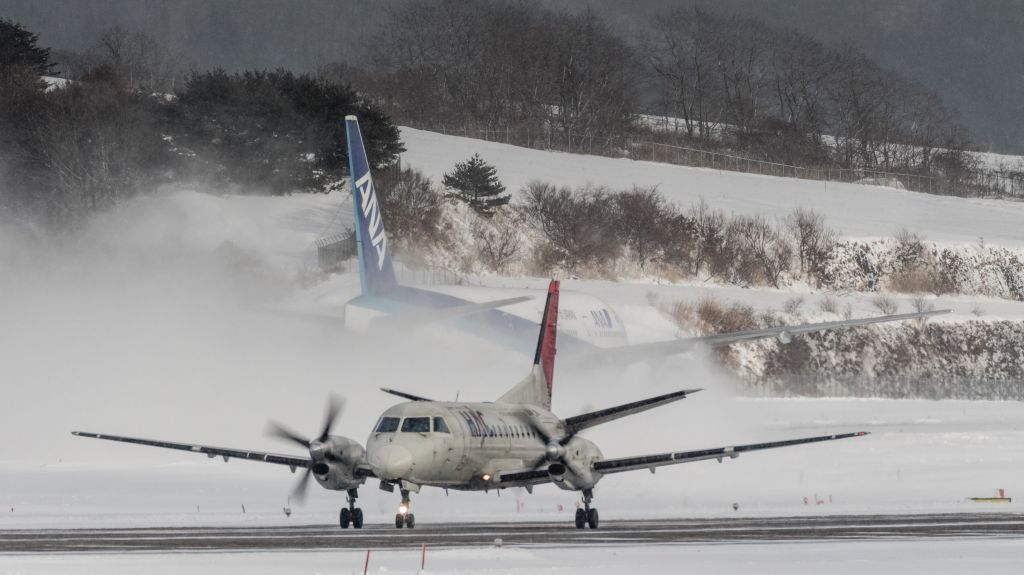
{"points": [[350, 117], [863, 433]]}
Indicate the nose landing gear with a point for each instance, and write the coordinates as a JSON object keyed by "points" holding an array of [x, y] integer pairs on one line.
{"points": [[351, 514], [587, 515], [405, 518]]}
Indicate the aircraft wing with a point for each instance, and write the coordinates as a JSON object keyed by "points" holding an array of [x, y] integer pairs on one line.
{"points": [[719, 453], [442, 314], [226, 453], [783, 332], [581, 422]]}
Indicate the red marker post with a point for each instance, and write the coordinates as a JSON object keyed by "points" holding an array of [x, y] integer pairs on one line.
{"points": [[423, 560], [366, 565]]}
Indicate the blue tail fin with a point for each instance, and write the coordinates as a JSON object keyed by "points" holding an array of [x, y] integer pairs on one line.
{"points": [[376, 274]]}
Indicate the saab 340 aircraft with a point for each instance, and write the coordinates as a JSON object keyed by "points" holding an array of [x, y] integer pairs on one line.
{"points": [[514, 441]]}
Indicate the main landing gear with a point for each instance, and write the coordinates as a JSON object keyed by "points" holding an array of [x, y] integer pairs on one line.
{"points": [[405, 518], [351, 514], [587, 515]]}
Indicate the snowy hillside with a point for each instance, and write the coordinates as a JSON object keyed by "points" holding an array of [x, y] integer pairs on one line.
{"points": [[857, 211]]}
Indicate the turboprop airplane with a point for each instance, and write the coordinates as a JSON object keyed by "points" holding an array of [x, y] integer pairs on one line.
{"points": [[591, 330], [514, 441]]}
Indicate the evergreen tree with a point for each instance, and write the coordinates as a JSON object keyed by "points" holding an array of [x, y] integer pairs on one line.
{"points": [[476, 183], [19, 49], [275, 131]]}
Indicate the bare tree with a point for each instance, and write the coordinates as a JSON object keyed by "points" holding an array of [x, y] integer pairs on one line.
{"points": [[642, 218], [709, 229], [814, 241], [498, 239], [141, 62], [575, 224], [764, 247]]}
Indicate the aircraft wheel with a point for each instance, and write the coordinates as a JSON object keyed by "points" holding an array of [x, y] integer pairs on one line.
{"points": [[592, 518], [357, 518], [581, 519], [410, 520], [345, 517], [399, 521]]}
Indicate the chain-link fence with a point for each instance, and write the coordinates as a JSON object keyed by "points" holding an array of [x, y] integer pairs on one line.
{"points": [[978, 184]]}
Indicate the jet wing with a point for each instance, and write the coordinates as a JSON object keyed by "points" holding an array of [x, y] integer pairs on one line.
{"points": [[443, 314], [783, 332], [226, 453], [719, 453]]}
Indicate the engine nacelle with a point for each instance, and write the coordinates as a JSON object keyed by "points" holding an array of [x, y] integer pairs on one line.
{"points": [[336, 461], [581, 455]]}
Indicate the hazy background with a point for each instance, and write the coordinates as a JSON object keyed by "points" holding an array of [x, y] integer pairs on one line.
{"points": [[970, 53]]}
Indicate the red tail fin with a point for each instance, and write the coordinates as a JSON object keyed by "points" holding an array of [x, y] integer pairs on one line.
{"points": [[545, 356]]}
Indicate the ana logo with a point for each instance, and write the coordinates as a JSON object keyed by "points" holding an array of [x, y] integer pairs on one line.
{"points": [[371, 215]]}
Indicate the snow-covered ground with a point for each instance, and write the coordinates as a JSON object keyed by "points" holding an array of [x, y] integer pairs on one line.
{"points": [[938, 557], [857, 211], [148, 324], [921, 456]]}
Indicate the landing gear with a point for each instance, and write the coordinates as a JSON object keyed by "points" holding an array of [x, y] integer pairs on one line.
{"points": [[405, 518], [587, 515], [351, 514]]}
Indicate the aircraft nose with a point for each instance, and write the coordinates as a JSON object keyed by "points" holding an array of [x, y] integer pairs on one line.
{"points": [[391, 461]]}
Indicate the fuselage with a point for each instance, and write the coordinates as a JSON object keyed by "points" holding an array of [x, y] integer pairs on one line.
{"points": [[460, 445], [585, 323]]}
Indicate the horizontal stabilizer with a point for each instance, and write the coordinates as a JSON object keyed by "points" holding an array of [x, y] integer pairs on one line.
{"points": [[581, 422], [404, 395]]}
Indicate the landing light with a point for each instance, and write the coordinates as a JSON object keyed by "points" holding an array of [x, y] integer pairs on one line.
{"points": [[486, 477], [403, 509]]}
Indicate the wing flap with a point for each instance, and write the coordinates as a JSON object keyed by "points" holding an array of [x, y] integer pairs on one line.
{"points": [[660, 459], [210, 451], [524, 476]]}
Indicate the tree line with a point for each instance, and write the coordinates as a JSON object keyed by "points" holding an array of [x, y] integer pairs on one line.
{"points": [[70, 149], [548, 78]]}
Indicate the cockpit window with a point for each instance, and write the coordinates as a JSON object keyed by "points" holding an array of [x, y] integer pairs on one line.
{"points": [[387, 425], [440, 426], [416, 424]]}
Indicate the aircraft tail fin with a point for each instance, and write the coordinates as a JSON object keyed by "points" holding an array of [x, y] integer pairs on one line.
{"points": [[535, 389], [376, 272]]}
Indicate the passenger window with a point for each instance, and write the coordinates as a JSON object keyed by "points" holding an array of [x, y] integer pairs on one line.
{"points": [[440, 426], [387, 425], [416, 424]]}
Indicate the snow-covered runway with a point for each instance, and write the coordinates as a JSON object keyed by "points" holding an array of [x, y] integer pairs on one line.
{"points": [[530, 534], [934, 556]]}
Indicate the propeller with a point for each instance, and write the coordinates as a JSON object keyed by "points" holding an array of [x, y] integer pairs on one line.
{"points": [[317, 448], [554, 448]]}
